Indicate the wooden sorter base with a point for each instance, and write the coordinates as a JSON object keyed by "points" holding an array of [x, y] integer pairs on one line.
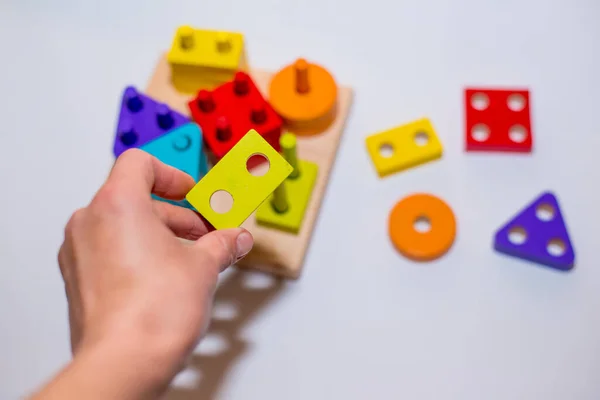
{"points": [[276, 252]]}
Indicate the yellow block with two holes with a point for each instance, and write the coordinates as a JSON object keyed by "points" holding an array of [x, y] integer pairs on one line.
{"points": [[205, 59], [404, 147], [231, 175]]}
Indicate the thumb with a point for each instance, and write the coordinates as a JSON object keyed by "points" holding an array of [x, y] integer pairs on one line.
{"points": [[222, 248]]}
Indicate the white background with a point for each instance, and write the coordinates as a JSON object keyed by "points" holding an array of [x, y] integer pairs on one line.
{"points": [[362, 322]]}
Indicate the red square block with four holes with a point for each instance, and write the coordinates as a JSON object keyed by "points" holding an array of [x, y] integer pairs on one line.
{"points": [[228, 112], [498, 120]]}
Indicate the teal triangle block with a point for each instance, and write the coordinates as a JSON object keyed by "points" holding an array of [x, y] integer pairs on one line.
{"points": [[181, 148]]}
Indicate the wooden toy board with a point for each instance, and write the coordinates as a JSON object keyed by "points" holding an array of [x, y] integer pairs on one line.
{"points": [[276, 252]]}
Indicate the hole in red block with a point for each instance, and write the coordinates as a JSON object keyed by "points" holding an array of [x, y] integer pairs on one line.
{"points": [[221, 201], [516, 102], [480, 132], [480, 101], [257, 164], [517, 133]]}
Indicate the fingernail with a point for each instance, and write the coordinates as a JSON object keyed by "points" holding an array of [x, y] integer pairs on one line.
{"points": [[244, 244]]}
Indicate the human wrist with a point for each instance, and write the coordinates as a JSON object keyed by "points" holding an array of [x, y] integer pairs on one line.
{"points": [[121, 369], [141, 368]]}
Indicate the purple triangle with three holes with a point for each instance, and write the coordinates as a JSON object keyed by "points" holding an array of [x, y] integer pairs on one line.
{"points": [[539, 234]]}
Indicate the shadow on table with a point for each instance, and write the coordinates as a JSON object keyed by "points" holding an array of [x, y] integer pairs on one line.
{"points": [[240, 296]]}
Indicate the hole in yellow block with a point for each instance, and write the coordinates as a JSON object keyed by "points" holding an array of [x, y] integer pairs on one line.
{"points": [[403, 147], [257, 164], [231, 174], [386, 150], [421, 138], [221, 201]]}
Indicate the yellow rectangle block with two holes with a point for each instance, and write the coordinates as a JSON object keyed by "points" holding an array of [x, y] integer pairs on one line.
{"points": [[231, 175], [404, 147]]}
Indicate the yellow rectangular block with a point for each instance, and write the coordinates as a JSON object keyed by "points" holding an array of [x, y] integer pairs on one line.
{"points": [[204, 59], [231, 175], [404, 147], [298, 191]]}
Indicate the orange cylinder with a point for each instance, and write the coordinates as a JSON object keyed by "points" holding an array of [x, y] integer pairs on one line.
{"points": [[422, 245]]}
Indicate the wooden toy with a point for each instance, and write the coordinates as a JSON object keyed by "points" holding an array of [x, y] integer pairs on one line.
{"points": [[142, 119], [204, 59], [498, 120], [404, 147], [231, 110], [275, 251], [231, 175], [539, 234], [286, 207], [422, 245], [305, 95]]}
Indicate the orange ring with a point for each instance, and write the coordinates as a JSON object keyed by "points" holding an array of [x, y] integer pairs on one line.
{"points": [[422, 246], [304, 94]]}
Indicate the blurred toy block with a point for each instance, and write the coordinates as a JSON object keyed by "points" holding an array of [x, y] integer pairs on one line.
{"points": [[143, 119], [538, 234], [498, 120], [305, 95], [234, 108], [180, 148], [286, 207], [404, 147], [204, 59], [276, 251], [231, 175]]}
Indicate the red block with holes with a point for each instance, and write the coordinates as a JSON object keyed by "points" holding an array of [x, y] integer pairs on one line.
{"points": [[228, 112], [498, 120]]}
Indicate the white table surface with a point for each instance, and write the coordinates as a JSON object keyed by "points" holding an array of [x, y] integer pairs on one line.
{"points": [[362, 322]]}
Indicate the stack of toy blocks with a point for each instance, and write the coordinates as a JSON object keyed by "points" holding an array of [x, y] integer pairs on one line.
{"points": [[154, 127], [208, 114]]}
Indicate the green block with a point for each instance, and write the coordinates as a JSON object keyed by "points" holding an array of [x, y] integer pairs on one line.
{"points": [[298, 192]]}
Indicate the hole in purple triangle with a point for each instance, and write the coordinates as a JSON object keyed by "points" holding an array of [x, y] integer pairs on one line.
{"points": [[556, 248], [544, 212], [517, 235]]}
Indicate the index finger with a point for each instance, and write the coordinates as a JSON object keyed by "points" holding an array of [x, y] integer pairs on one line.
{"points": [[140, 173]]}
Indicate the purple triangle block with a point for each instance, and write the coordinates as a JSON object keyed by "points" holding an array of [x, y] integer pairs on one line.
{"points": [[542, 224], [143, 119]]}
